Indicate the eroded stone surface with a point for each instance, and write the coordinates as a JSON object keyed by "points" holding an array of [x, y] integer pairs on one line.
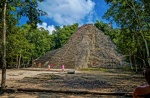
{"points": [[87, 47]]}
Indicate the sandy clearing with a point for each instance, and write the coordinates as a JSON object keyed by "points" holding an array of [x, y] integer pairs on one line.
{"points": [[18, 74], [118, 81]]}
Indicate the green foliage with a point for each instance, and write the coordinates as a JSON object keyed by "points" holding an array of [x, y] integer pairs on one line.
{"points": [[133, 19], [61, 35], [94, 69], [27, 43], [146, 6], [123, 39], [29, 8], [18, 45], [40, 38], [125, 43], [106, 28]]}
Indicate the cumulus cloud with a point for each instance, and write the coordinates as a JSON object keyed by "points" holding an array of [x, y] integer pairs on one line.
{"points": [[67, 12], [46, 27]]}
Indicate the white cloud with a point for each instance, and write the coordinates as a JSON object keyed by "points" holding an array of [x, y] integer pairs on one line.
{"points": [[46, 27], [66, 12]]}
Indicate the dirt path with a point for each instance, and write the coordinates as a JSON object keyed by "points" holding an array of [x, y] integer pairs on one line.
{"points": [[96, 81]]}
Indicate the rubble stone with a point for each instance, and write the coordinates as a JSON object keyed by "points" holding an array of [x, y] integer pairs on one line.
{"points": [[87, 47]]}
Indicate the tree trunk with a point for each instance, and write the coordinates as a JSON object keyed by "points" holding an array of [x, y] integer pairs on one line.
{"points": [[138, 19], [3, 82], [19, 61], [135, 62], [147, 49], [32, 61], [131, 65]]}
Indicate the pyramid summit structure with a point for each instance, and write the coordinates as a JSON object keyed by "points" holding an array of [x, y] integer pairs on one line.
{"points": [[87, 47]]}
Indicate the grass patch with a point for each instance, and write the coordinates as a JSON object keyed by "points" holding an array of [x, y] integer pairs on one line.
{"points": [[126, 68], [94, 69], [110, 70]]}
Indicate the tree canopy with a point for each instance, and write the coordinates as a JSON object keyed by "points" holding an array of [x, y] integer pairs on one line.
{"points": [[23, 43], [133, 19]]}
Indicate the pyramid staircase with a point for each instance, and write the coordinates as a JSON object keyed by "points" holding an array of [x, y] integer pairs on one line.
{"points": [[87, 47]]}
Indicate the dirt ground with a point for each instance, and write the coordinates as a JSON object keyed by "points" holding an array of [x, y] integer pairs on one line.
{"points": [[95, 81]]}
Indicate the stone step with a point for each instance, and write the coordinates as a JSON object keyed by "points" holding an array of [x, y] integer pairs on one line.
{"points": [[86, 44]]}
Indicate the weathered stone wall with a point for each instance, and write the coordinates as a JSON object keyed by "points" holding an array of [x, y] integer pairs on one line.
{"points": [[87, 47]]}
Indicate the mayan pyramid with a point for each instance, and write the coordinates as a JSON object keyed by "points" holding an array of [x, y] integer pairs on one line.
{"points": [[87, 47]]}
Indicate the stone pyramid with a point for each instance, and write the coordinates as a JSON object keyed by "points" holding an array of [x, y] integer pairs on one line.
{"points": [[87, 47]]}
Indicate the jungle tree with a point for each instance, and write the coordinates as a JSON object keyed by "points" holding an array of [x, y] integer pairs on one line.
{"points": [[20, 10], [131, 15], [4, 7]]}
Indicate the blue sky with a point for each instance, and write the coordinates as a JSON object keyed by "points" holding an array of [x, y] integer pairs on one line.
{"points": [[68, 12]]}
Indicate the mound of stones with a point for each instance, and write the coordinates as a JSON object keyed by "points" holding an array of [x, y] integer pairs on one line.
{"points": [[87, 47]]}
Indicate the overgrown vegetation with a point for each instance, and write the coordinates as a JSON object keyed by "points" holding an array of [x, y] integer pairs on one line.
{"points": [[21, 44], [133, 36], [27, 42]]}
